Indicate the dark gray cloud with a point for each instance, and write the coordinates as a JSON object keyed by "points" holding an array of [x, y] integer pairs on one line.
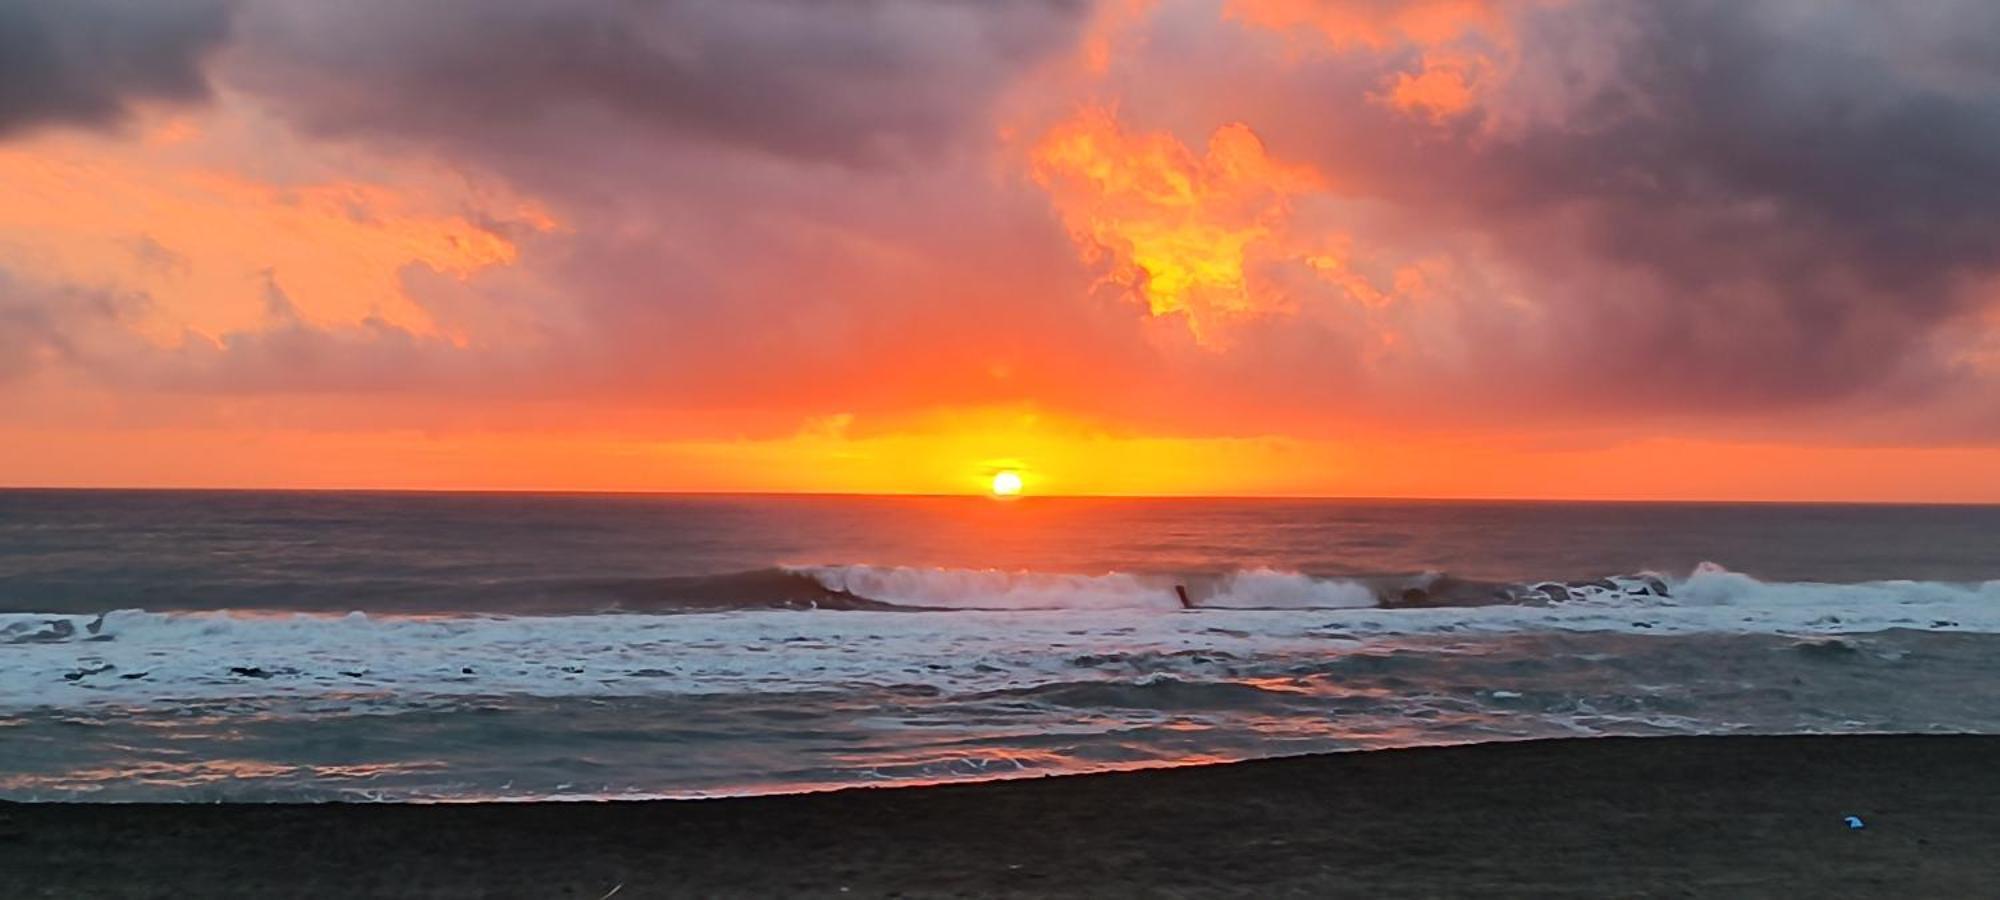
{"points": [[853, 81], [1709, 204], [85, 61], [1788, 219]]}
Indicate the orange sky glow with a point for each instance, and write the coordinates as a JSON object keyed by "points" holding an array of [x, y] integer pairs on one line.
{"points": [[1234, 247]]}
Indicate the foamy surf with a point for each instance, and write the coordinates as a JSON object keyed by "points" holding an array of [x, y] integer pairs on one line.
{"points": [[1005, 631], [1085, 673], [1708, 585]]}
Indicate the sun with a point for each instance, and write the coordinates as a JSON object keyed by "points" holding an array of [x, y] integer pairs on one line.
{"points": [[1006, 483]]}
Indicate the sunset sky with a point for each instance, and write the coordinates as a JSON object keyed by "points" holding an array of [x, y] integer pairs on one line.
{"points": [[1464, 248]]}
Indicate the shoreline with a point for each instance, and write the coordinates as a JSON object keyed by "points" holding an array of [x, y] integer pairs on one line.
{"points": [[1662, 816]]}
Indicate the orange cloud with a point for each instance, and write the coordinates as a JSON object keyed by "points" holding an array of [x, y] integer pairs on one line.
{"points": [[178, 218], [1468, 45], [1375, 24], [1107, 26], [1178, 230], [1446, 86]]}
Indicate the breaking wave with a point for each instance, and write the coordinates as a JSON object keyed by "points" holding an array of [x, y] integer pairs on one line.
{"points": [[965, 589], [892, 588], [1005, 631], [999, 590]]}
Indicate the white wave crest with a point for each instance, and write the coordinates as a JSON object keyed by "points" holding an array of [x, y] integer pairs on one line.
{"points": [[1272, 589], [1712, 585], [993, 589]]}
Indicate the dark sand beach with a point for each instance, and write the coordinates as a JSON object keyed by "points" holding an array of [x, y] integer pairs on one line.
{"points": [[1736, 816]]}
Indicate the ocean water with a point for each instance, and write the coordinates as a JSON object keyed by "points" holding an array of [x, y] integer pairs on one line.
{"points": [[266, 646]]}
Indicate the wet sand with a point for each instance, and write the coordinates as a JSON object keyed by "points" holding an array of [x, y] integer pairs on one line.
{"points": [[1731, 817]]}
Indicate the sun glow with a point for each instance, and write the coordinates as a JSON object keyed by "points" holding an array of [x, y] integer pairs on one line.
{"points": [[1007, 483]]}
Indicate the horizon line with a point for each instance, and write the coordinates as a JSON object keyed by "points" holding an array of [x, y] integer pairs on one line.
{"points": [[918, 495]]}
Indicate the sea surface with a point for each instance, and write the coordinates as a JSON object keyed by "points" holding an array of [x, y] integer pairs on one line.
{"points": [[281, 646]]}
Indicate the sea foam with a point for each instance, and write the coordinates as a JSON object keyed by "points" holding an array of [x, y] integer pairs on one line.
{"points": [[134, 656]]}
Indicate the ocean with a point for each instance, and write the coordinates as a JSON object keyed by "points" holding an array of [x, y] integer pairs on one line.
{"points": [[288, 646]]}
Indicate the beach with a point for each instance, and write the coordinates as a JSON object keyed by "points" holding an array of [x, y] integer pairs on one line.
{"points": [[1670, 816]]}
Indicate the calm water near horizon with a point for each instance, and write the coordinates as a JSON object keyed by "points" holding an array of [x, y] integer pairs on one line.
{"points": [[329, 645]]}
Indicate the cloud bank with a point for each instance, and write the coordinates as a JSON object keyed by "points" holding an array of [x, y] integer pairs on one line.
{"points": [[1770, 220], [84, 62]]}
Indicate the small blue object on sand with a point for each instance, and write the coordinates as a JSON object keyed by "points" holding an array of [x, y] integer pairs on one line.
{"points": [[1855, 823]]}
